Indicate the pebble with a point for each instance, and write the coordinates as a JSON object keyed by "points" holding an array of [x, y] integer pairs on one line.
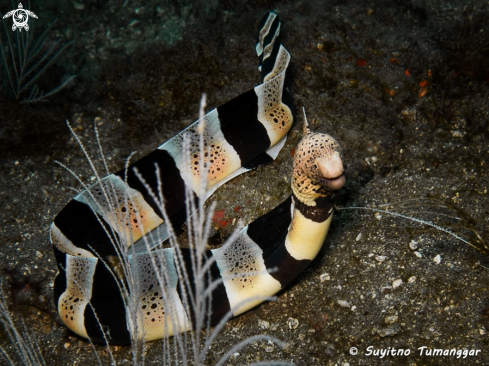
{"points": [[413, 245], [389, 331], [359, 236], [78, 6], [380, 258], [324, 277], [396, 283], [263, 324], [343, 304], [133, 23], [437, 259], [418, 254], [46, 328], [270, 347], [412, 279], [391, 319]]}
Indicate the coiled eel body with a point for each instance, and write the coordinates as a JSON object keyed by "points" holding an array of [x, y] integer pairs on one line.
{"points": [[112, 225]]}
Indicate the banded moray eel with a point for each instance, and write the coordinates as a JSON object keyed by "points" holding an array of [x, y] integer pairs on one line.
{"points": [[111, 221]]}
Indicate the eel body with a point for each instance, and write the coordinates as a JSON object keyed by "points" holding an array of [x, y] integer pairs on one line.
{"points": [[110, 282]]}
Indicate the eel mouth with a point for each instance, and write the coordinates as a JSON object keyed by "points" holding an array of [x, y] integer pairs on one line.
{"points": [[332, 184]]}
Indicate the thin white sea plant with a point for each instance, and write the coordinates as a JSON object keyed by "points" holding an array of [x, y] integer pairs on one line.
{"points": [[25, 345], [109, 197], [25, 60], [424, 222], [126, 267]]}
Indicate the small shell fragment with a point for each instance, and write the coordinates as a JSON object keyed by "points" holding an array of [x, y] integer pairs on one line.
{"points": [[396, 283], [263, 324], [418, 254], [391, 319], [378, 215], [270, 347], [391, 331], [437, 259], [359, 236], [380, 258], [292, 323], [343, 303], [413, 245], [412, 279], [324, 277]]}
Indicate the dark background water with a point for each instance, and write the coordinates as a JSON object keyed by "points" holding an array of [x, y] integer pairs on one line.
{"points": [[402, 85]]}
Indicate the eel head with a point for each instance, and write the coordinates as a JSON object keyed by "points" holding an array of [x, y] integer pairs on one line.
{"points": [[318, 167]]}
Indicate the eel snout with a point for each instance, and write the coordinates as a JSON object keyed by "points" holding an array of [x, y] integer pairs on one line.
{"points": [[330, 171]]}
